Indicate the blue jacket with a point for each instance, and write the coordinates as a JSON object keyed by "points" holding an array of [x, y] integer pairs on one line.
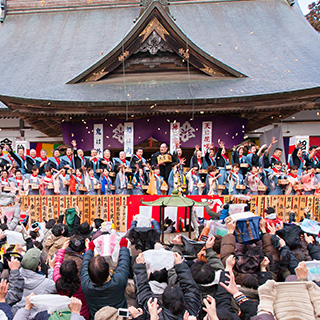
{"points": [[111, 293]]}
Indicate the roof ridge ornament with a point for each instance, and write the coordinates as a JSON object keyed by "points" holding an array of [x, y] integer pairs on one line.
{"points": [[147, 3]]}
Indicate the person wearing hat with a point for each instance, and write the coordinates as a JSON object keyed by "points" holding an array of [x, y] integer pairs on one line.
{"points": [[34, 282]]}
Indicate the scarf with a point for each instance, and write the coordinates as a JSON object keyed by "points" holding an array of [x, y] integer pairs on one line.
{"points": [[276, 158]]}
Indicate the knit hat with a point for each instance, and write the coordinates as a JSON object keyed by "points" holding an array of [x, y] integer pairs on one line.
{"points": [[107, 313], [31, 259]]}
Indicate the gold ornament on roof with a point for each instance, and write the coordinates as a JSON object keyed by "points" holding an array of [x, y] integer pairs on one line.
{"points": [[154, 25]]}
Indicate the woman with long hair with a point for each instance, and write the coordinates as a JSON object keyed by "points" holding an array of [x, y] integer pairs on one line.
{"points": [[65, 275]]}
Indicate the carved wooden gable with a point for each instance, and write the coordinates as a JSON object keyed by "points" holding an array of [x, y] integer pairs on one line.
{"points": [[156, 44]]}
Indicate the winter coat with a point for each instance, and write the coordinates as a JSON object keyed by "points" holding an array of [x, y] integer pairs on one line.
{"points": [[36, 283], [16, 283], [111, 293], [214, 261], [75, 256], [223, 303], [53, 244], [188, 286], [78, 294]]}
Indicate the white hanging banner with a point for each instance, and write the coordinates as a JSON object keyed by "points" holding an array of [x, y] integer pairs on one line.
{"points": [[174, 135], [128, 138], [206, 136], [98, 138]]}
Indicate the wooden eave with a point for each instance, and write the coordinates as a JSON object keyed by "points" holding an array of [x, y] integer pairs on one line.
{"points": [[259, 112]]}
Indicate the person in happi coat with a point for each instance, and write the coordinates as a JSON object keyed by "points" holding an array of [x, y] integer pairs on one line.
{"points": [[91, 182], [294, 179], [158, 178], [5, 182], [274, 175], [212, 181], [68, 159], [276, 156], [19, 158], [47, 182], [210, 156], [139, 180], [34, 181], [17, 181], [121, 161], [311, 159], [138, 159], [80, 161], [121, 182], [222, 161], [253, 180], [198, 159], [178, 157], [42, 162], [252, 157], [30, 160], [80, 183], [309, 181], [107, 162], [62, 179], [177, 179], [194, 181], [94, 163], [165, 167], [239, 158], [4, 158], [263, 153], [105, 182], [55, 162], [235, 179], [297, 159]]}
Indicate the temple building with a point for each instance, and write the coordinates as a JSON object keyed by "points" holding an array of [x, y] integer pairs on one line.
{"points": [[89, 70]]}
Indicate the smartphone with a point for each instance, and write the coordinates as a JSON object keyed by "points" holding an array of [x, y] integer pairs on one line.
{"points": [[122, 312]]}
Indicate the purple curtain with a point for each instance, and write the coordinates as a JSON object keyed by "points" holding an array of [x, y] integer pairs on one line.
{"points": [[228, 129]]}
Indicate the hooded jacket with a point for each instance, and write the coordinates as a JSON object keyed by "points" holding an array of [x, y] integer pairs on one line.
{"points": [[36, 283]]}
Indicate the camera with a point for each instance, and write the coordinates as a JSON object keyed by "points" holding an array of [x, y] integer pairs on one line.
{"points": [[122, 312]]}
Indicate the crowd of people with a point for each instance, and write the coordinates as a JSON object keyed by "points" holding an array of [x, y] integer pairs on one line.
{"points": [[251, 170], [68, 270]]}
